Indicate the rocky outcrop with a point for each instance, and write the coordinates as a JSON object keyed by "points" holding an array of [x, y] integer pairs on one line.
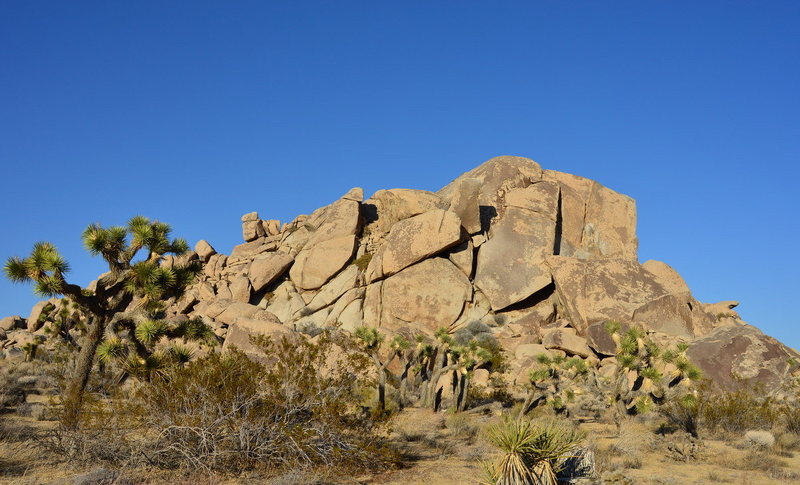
{"points": [[736, 355], [543, 259]]}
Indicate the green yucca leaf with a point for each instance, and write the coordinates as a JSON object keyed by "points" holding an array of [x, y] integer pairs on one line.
{"points": [[369, 336], [682, 347], [613, 327], [538, 375], [139, 227], [400, 343], [627, 361], [643, 404], [693, 373], [484, 354], [149, 331], [180, 354], [165, 278], [16, 270], [111, 349], [543, 359], [48, 286], [179, 246], [652, 349], [682, 364], [651, 373], [629, 344], [668, 356], [94, 239], [443, 336]]}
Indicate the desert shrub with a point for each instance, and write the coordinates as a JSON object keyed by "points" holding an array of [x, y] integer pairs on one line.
{"points": [[759, 439], [738, 411], [461, 426], [791, 418], [684, 413], [363, 261], [533, 452], [224, 412]]}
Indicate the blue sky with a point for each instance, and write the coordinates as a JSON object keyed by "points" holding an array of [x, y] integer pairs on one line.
{"points": [[197, 112]]}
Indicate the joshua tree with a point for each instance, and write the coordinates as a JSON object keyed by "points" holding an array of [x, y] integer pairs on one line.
{"points": [[423, 365], [372, 340], [646, 374], [30, 349], [130, 291], [554, 382], [134, 345]]}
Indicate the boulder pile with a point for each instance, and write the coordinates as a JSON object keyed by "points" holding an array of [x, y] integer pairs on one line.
{"points": [[541, 257]]}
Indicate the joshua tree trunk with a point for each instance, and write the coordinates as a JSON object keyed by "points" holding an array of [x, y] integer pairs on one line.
{"points": [[382, 389], [461, 404], [73, 398], [534, 395]]}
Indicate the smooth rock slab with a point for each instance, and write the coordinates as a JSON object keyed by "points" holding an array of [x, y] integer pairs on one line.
{"points": [[267, 267], [414, 239], [316, 265], [429, 295], [511, 264]]}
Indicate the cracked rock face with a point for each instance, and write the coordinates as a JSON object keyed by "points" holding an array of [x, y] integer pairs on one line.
{"points": [[544, 258]]}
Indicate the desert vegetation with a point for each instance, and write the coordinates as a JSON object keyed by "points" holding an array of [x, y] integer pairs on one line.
{"points": [[165, 369]]}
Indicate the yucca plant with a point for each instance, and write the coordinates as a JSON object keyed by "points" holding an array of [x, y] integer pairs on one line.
{"points": [[533, 452], [128, 292]]}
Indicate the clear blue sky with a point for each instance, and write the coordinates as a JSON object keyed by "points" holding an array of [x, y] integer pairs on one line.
{"points": [[198, 112]]}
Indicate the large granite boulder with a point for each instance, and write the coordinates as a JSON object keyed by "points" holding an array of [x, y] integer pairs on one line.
{"points": [[414, 239], [739, 355], [511, 264], [394, 205], [342, 218], [596, 222], [12, 323], [39, 309], [667, 277], [317, 263], [600, 290], [204, 250], [426, 296], [496, 177], [267, 267], [464, 201]]}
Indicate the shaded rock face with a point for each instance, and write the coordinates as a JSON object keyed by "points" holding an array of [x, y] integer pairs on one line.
{"points": [[543, 258], [737, 355]]}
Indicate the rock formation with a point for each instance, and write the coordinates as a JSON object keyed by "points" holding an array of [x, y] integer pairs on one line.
{"points": [[542, 257]]}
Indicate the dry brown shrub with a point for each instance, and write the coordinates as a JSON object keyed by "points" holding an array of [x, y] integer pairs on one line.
{"points": [[226, 412], [738, 411]]}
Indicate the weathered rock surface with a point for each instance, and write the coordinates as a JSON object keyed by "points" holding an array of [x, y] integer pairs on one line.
{"points": [[267, 268], [567, 340], [595, 221], [315, 265], [599, 290], [414, 239], [11, 323], [431, 294], [737, 355], [510, 264], [204, 250]]}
